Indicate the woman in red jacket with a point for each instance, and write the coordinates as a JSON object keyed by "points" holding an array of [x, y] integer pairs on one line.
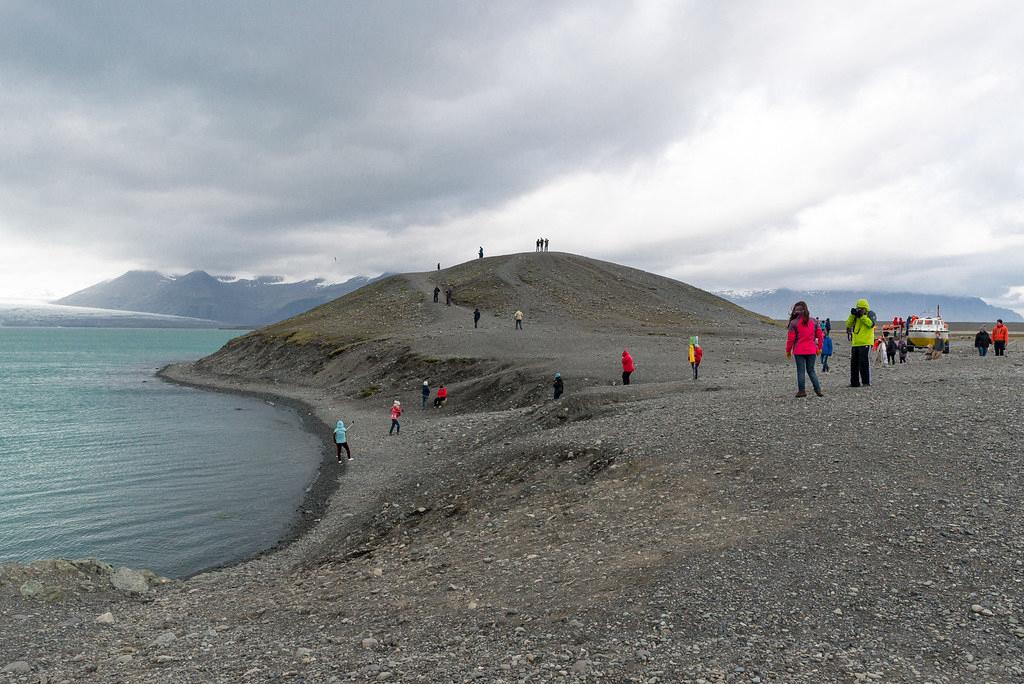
{"points": [[803, 340], [627, 367]]}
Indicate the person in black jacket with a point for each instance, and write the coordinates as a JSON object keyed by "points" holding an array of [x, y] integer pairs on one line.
{"points": [[476, 316], [437, 291], [890, 349], [982, 341], [559, 387]]}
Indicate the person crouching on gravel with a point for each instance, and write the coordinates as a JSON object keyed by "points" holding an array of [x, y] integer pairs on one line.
{"points": [[695, 354], [826, 349], [627, 366], [558, 386], [803, 340], [442, 396], [396, 413], [341, 439]]}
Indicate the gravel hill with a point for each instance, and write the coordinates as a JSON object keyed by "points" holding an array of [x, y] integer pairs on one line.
{"points": [[716, 530]]}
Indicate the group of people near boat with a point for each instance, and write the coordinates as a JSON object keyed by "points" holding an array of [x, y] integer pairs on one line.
{"points": [[807, 338]]}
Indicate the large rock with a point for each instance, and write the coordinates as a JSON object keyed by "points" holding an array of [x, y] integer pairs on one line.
{"points": [[18, 667], [132, 581], [31, 588]]}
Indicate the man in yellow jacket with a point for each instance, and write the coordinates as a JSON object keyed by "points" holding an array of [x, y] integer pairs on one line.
{"points": [[861, 325]]}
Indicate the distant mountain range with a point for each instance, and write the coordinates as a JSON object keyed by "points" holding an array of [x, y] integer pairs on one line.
{"points": [[227, 300], [835, 304]]}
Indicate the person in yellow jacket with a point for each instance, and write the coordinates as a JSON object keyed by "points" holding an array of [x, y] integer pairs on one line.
{"points": [[695, 355], [860, 326]]}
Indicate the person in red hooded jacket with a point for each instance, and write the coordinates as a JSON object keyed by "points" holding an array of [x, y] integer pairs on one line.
{"points": [[803, 340], [627, 366]]}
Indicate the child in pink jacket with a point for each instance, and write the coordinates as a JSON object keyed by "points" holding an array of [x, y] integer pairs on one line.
{"points": [[396, 413], [803, 340]]}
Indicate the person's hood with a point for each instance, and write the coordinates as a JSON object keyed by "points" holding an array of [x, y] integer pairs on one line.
{"points": [[625, 353], [341, 425], [425, 383], [862, 304], [557, 376]]}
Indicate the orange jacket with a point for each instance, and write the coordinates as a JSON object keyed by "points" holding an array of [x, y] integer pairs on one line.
{"points": [[1000, 333]]}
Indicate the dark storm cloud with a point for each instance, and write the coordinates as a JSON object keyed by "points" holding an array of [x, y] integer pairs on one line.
{"points": [[269, 116]]}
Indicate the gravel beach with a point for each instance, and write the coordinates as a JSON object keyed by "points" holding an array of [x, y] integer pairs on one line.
{"points": [[716, 530]]}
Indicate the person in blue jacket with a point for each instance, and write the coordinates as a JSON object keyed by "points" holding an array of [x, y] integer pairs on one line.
{"points": [[341, 439], [826, 350], [426, 393]]}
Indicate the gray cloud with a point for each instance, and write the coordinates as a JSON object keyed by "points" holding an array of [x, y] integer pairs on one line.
{"points": [[249, 136]]}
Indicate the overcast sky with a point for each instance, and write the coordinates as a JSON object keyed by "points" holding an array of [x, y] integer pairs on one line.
{"points": [[730, 145]]}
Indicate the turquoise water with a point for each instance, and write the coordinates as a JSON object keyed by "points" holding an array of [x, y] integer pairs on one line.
{"points": [[99, 458]]}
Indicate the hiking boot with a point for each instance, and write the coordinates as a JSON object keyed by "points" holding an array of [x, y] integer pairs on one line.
{"points": [[818, 392], [801, 393]]}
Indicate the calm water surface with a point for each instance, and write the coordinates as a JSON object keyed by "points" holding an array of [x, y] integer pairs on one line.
{"points": [[100, 458]]}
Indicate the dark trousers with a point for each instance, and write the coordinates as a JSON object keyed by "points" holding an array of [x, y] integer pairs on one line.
{"points": [[824, 363], [395, 426], [982, 351], [860, 367], [891, 357], [696, 368], [519, 324], [625, 377], [1000, 348], [343, 445], [475, 321]]}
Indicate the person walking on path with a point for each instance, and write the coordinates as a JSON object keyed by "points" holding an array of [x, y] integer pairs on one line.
{"points": [[448, 296], [982, 341], [860, 328], [476, 316], [396, 413], [803, 341], [826, 348], [481, 252], [442, 396], [341, 439], [828, 326], [559, 387], [518, 316], [1000, 336], [437, 292], [425, 392], [901, 346], [695, 354], [890, 350], [627, 366]]}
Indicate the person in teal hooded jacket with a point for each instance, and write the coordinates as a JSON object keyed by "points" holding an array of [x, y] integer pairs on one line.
{"points": [[860, 326], [341, 439]]}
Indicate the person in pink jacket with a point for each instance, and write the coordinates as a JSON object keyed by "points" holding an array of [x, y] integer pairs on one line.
{"points": [[803, 340]]}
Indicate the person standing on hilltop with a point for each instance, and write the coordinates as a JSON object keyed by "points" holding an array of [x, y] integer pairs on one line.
{"points": [[481, 252], [860, 328], [536, 245], [627, 366], [982, 341], [826, 348], [341, 439], [476, 317], [695, 354], [545, 244], [518, 316], [804, 340], [396, 413], [1000, 336], [558, 386], [437, 292], [425, 393]]}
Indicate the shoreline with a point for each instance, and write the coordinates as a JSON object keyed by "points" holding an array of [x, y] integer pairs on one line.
{"points": [[318, 493]]}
